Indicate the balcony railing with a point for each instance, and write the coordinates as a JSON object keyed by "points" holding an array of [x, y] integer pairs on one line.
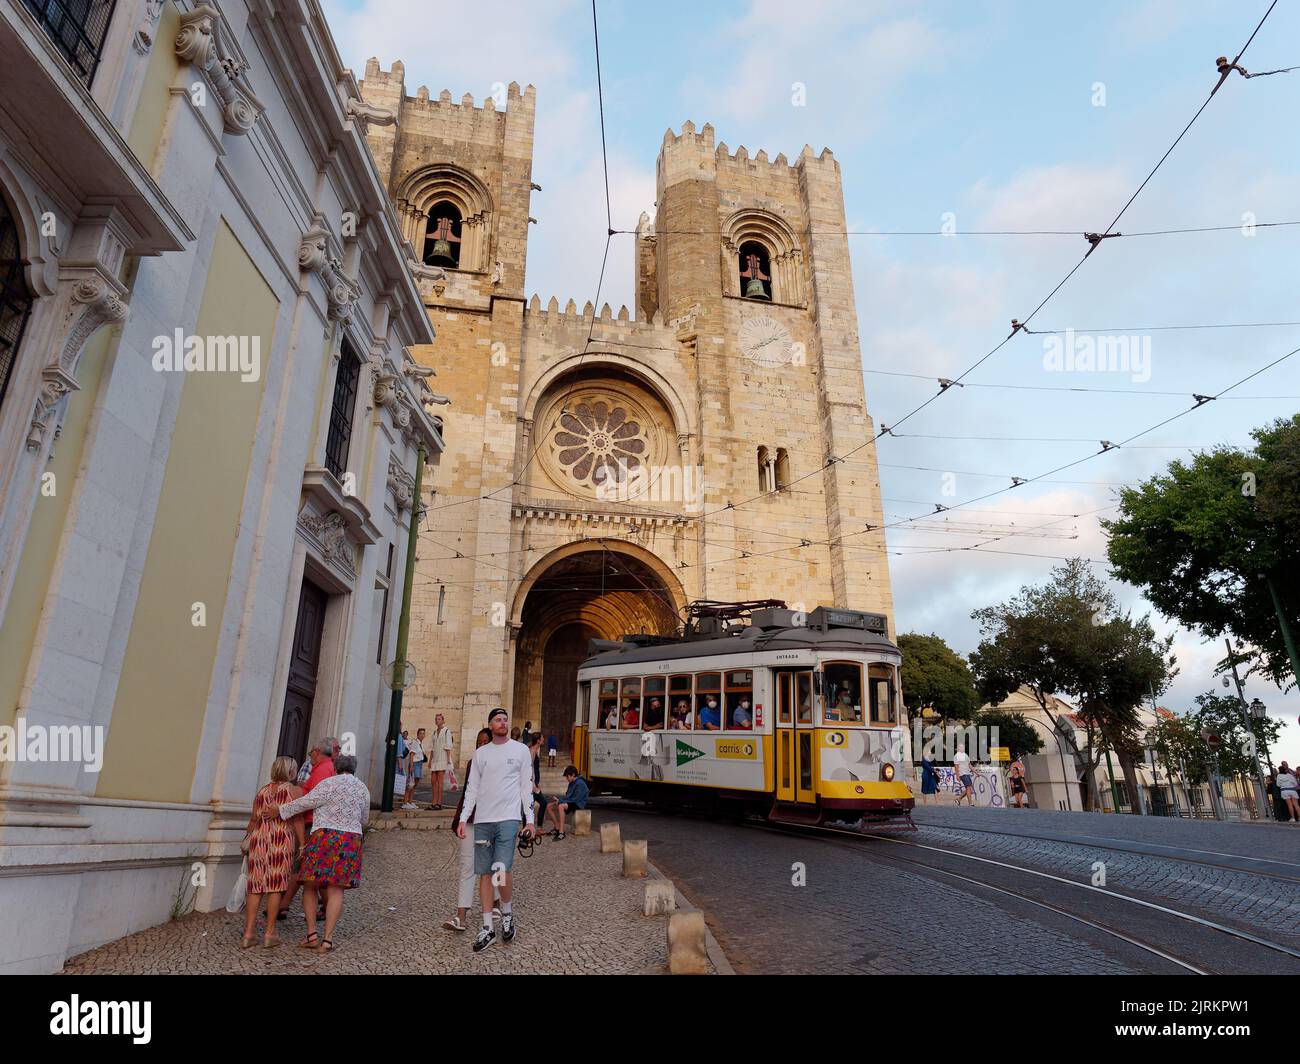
{"points": [[77, 28]]}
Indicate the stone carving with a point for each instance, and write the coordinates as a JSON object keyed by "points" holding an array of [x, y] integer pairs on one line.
{"points": [[331, 533], [400, 483], [313, 256], [369, 114], [196, 44], [142, 42], [597, 442], [92, 302]]}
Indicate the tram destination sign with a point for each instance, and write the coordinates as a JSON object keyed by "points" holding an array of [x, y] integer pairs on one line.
{"points": [[824, 618]]}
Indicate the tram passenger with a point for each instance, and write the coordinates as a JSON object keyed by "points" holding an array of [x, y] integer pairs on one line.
{"points": [[631, 716], [682, 716], [740, 716], [709, 718], [610, 715], [654, 715]]}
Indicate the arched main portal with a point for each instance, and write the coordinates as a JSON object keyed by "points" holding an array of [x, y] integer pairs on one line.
{"points": [[577, 594]]}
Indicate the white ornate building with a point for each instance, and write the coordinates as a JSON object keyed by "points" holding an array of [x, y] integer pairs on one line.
{"points": [[209, 431]]}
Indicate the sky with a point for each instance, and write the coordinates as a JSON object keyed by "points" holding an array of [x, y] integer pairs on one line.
{"points": [[971, 115]]}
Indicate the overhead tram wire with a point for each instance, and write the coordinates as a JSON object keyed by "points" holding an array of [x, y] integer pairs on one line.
{"points": [[1094, 241], [984, 232], [1153, 393]]}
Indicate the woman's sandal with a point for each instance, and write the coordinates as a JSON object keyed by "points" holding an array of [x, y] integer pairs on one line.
{"points": [[326, 946], [272, 944], [307, 942], [247, 943]]}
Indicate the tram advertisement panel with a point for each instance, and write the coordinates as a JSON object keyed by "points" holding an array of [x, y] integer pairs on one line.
{"points": [[697, 758]]}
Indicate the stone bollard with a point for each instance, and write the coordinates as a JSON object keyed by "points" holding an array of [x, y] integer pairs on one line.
{"points": [[687, 953], [610, 839], [660, 898], [581, 822], [635, 856]]}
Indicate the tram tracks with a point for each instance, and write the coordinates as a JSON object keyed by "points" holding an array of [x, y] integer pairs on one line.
{"points": [[853, 841]]}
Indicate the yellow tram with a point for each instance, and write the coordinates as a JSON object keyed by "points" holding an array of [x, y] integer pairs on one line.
{"points": [[796, 717]]}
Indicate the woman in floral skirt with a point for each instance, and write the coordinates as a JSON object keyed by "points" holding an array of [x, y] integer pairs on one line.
{"points": [[272, 846], [331, 860]]}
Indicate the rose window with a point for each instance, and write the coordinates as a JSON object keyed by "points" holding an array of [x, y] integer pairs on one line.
{"points": [[597, 443]]}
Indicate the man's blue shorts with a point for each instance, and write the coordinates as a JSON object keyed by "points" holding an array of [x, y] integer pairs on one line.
{"points": [[494, 845]]}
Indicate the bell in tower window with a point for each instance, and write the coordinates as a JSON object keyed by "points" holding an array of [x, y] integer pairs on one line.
{"points": [[755, 268], [442, 245]]}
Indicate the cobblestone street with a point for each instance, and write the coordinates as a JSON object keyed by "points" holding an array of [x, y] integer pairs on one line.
{"points": [[576, 914]]}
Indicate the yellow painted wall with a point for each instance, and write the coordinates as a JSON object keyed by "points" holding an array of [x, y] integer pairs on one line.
{"points": [[155, 97], [46, 528], [153, 738]]}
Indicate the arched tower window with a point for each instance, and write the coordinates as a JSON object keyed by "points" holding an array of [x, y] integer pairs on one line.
{"points": [[755, 271], [782, 469], [442, 242], [764, 470], [15, 301]]}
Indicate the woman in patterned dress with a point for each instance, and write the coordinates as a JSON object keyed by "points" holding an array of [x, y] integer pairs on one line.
{"points": [[272, 846], [331, 860]]}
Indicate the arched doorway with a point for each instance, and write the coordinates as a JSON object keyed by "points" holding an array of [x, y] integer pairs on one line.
{"points": [[577, 594]]}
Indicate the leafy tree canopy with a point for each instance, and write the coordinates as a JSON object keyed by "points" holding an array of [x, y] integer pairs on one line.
{"points": [[936, 676], [1014, 731], [1201, 538]]}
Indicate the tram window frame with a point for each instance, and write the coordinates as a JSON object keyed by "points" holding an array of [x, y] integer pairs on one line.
{"points": [[607, 692], [830, 694], [706, 684], [739, 689], [676, 694], [888, 679], [653, 687], [584, 701], [784, 698], [624, 684], [800, 680]]}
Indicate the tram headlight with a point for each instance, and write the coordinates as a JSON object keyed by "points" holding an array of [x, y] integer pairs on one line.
{"points": [[887, 773]]}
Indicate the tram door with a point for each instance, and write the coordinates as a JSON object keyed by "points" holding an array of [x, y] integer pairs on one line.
{"points": [[796, 739]]}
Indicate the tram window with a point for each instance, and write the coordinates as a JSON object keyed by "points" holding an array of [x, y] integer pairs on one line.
{"points": [[584, 701], [607, 715], [783, 712], [804, 697], [654, 703], [740, 700], [843, 692], [679, 699], [707, 707], [630, 705], [883, 710]]}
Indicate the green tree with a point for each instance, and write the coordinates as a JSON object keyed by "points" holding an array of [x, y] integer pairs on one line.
{"points": [[1014, 731], [936, 677], [1204, 540], [1221, 715], [1068, 637]]}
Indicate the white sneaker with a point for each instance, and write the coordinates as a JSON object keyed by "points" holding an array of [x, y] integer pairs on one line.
{"points": [[410, 805]]}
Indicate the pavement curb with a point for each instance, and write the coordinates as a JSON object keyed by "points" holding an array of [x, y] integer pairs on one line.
{"points": [[717, 957]]}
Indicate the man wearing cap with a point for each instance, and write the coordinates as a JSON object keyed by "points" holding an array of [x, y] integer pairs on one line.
{"points": [[497, 793]]}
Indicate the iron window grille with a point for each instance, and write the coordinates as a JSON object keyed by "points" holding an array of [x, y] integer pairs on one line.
{"points": [[78, 29], [339, 440], [15, 301]]}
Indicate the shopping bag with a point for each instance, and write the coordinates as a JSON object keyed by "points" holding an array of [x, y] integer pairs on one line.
{"points": [[399, 783], [239, 892], [451, 779]]}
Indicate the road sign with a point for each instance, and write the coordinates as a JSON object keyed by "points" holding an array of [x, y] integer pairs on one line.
{"points": [[1001, 753], [1211, 740]]}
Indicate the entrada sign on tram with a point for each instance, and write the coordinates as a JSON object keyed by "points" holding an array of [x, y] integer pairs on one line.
{"points": [[829, 747]]}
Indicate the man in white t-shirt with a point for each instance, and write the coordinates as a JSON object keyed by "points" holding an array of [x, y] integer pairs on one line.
{"points": [[961, 766], [498, 791], [439, 757]]}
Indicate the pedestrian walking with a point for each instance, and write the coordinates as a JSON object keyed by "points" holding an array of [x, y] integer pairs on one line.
{"points": [[331, 860], [551, 749], [929, 780], [415, 758], [271, 846], [1286, 783], [465, 892], [1016, 773], [535, 757], [527, 737], [961, 766], [496, 793], [439, 757], [321, 759]]}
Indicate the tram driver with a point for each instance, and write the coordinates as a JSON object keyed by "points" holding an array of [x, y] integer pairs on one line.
{"points": [[847, 710]]}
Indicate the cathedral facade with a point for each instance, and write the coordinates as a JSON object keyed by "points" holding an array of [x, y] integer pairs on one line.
{"points": [[604, 469]]}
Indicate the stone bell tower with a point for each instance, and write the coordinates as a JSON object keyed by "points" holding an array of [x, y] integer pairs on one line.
{"points": [[780, 393]]}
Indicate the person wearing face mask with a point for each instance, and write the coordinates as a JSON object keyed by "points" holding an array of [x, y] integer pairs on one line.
{"points": [[740, 716], [709, 719]]}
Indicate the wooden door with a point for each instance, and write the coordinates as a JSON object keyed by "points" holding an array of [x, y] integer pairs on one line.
{"points": [[303, 668]]}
